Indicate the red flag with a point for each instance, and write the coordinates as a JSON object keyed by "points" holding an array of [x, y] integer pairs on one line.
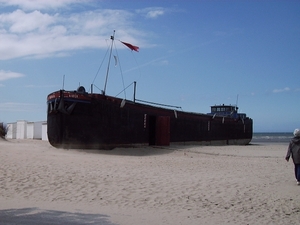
{"points": [[132, 47]]}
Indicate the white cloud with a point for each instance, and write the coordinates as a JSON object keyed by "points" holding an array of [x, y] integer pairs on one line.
{"points": [[21, 22], [19, 107], [6, 75], [40, 86], [164, 62], [38, 34], [155, 13], [152, 12], [281, 90], [39, 4]]}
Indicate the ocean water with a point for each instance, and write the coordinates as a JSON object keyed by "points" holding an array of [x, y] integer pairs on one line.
{"points": [[274, 137]]}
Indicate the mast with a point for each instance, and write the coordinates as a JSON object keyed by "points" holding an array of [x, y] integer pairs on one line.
{"points": [[134, 91], [107, 71]]}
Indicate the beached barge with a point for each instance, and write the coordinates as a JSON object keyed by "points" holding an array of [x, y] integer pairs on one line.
{"points": [[78, 119]]}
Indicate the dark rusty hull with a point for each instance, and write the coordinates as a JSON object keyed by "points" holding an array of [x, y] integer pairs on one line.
{"points": [[94, 121]]}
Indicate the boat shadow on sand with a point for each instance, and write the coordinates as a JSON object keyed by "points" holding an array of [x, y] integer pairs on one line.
{"points": [[131, 151], [36, 216]]}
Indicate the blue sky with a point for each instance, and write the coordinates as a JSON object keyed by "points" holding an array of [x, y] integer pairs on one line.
{"points": [[193, 54]]}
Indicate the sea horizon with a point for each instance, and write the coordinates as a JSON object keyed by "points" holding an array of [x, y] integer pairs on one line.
{"points": [[271, 137]]}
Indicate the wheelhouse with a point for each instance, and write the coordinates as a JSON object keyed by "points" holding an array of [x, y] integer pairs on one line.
{"points": [[226, 111]]}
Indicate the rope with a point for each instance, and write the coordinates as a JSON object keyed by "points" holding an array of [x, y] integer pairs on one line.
{"points": [[153, 103], [124, 90], [121, 72], [99, 67]]}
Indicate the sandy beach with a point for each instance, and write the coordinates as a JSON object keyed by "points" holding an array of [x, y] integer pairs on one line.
{"points": [[175, 185]]}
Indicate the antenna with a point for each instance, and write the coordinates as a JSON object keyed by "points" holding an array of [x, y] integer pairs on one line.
{"points": [[236, 104], [134, 91], [63, 82]]}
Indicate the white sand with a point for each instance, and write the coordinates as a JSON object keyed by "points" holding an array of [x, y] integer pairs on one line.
{"points": [[186, 185]]}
